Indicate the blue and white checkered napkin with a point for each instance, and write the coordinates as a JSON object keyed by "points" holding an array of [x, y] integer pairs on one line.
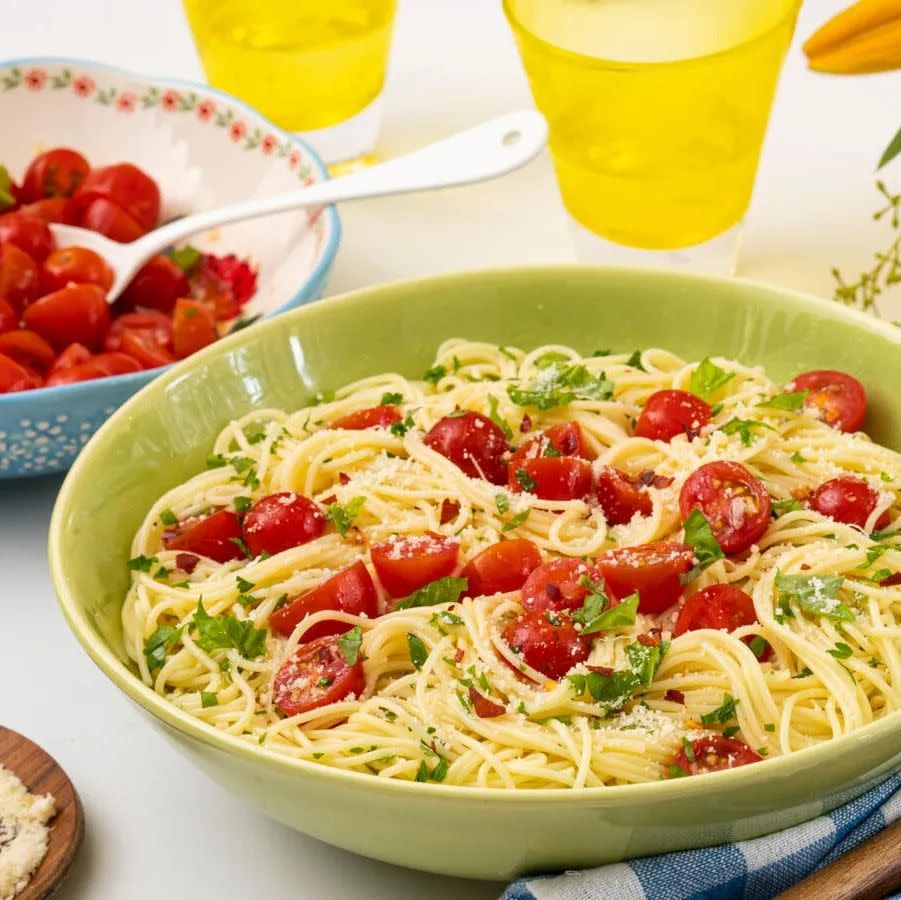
{"points": [[750, 870]]}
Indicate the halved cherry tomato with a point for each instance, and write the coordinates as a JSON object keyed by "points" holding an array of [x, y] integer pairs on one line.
{"points": [[565, 439], [156, 286], [651, 569], [73, 355], [217, 536], [52, 209], [16, 377], [317, 674], [733, 501], [140, 345], [722, 607], [405, 564], [20, 278], [473, 443], [100, 366], [836, 398], [155, 325], [547, 642], [483, 707], [845, 499], [106, 218], [500, 568], [555, 585], [376, 417], [553, 477], [672, 412], [281, 521], [55, 173], [351, 590], [75, 264], [193, 327], [77, 313], [620, 496], [9, 318], [715, 753], [28, 233], [28, 349], [131, 189]]}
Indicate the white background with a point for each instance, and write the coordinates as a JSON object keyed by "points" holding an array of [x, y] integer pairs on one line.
{"points": [[155, 826]]}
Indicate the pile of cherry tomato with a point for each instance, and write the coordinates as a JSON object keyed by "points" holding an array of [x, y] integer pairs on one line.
{"points": [[555, 465], [56, 326]]}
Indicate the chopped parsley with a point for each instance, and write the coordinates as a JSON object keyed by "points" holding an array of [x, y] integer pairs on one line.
{"points": [[723, 713], [342, 517], [186, 258], [526, 482], [872, 555], [242, 504], [791, 401], [401, 428], [443, 617], [884, 535], [699, 536], [349, 644], [208, 699], [159, 644], [815, 594], [758, 646], [841, 651], [390, 398], [244, 586], [142, 563], [797, 458], [595, 615], [497, 418], [689, 749], [417, 649], [769, 726], [743, 427], [516, 521], [613, 690], [228, 632], [6, 193], [502, 502], [708, 378], [444, 590], [634, 361], [167, 517], [783, 506], [551, 358], [435, 374], [559, 385]]}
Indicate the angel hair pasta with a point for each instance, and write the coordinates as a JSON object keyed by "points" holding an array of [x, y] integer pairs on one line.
{"points": [[533, 570]]}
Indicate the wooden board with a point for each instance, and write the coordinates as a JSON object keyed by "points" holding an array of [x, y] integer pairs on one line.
{"points": [[42, 775]]}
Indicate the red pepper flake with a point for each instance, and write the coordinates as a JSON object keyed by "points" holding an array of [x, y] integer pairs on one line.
{"points": [[525, 424], [458, 656], [187, 562], [891, 580], [675, 696], [649, 640], [606, 671], [343, 478], [485, 708], [649, 478], [805, 566], [449, 511]]}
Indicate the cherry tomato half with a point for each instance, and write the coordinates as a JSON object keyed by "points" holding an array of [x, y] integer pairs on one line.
{"points": [[473, 443], [500, 568], [845, 499], [193, 327], [106, 218], [547, 642], [75, 264], [722, 607], [156, 325], [141, 346], [27, 233], [100, 366], [715, 753], [9, 318], [651, 569], [55, 173], [351, 590], [405, 564], [281, 521], [78, 313], [52, 209], [555, 585], [317, 674], [552, 477], [20, 278], [376, 417], [16, 377], [836, 398], [155, 287], [124, 184], [620, 496], [216, 536], [733, 501], [565, 439], [73, 355], [27, 349], [671, 412]]}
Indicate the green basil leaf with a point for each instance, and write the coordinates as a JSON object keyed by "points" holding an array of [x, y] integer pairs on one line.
{"points": [[444, 590], [699, 536], [227, 632], [349, 644], [418, 652], [708, 378], [791, 400], [815, 594]]}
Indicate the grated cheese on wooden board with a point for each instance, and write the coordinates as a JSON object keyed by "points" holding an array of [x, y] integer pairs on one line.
{"points": [[23, 833]]}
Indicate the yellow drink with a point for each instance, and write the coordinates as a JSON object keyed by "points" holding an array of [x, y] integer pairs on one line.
{"points": [[657, 108], [306, 64]]}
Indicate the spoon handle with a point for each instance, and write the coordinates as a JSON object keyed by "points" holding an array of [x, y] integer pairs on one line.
{"points": [[485, 151]]}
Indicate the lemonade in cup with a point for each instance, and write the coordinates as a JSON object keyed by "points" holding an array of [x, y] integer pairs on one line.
{"points": [[657, 112], [312, 66]]}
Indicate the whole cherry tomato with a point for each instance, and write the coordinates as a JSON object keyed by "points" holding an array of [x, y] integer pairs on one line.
{"points": [[76, 265], [54, 173], [156, 286], [193, 327], [669, 413], [27, 233]]}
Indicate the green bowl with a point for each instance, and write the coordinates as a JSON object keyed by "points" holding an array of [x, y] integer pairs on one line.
{"points": [[162, 436]]}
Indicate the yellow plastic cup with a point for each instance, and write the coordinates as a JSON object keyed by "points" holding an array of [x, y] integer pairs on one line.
{"points": [[312, 66], [657, 112]]}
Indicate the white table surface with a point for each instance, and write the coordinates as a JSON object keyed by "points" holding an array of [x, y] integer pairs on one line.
{"points": [[156, 826]]}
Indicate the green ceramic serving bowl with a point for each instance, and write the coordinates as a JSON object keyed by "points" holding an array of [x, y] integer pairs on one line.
{"points": [[162, 436]]}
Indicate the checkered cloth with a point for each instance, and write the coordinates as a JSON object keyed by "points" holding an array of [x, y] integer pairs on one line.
{"points": [[750, 870]]}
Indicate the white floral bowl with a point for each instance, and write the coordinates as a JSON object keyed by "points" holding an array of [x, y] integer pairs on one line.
{"points": [[205, 149]]}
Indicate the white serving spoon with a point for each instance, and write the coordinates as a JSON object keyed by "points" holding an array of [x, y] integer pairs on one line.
{"points": [[486, 151]]}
